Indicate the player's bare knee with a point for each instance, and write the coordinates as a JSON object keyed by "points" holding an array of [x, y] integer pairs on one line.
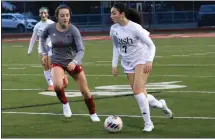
{"points": [[49, 66], [46, 66], [58, 86], [137, 90]]}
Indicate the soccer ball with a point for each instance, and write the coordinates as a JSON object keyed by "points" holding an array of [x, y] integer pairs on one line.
{"points": [[113, 124]]}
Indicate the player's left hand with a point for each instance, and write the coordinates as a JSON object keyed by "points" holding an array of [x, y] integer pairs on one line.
{"points": [[71, 66], [29, 52], [114, 71], [148, 67], [45, 59]]}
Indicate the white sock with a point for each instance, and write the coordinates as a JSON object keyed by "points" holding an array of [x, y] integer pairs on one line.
{"points": [[153, 102], [47, 75], [144, 107]]}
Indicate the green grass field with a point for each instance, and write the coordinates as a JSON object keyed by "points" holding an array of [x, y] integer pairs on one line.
{"points": [[190, 61]]}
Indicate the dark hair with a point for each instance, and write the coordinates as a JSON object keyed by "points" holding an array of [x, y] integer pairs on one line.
{"points": [[62, 7], [130, 14]]}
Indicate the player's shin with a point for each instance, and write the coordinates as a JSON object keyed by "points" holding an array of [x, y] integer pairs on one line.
{"points": [[47, 75], [144, 107], [90, 105], [153, 102], [61, 95]]}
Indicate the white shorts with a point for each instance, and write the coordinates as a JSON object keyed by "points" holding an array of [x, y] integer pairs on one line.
{"points": [[40, 50], [128, 69]]}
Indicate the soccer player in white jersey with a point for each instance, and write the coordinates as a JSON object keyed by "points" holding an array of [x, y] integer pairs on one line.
{"points": [[38, 29], [137, 51]]}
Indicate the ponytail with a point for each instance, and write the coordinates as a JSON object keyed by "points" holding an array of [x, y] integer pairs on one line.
{"points": [[130, 14], [133, 15]]}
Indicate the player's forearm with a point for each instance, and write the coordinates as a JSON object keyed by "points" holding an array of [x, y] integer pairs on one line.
{"points": [[115, 58], [152, 50], [80, 48], [32, 42], [79, 56]]}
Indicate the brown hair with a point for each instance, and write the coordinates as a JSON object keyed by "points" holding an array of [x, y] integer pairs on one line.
{"points": [[62, 7]]}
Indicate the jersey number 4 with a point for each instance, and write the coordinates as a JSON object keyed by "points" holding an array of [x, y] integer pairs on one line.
{"points": [[125, 48]]}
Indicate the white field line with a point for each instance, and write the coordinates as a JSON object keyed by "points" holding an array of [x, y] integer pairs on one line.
{"points": [[93, 64], [195, 65], [17, 46], [6, 65], [34, 89], [181, 55], [199, 54], [39, 66], [88, 44], [103, 61], [165, 91], [16, 68], [209, 52], [22, 74], [201, 92], [109, 75], [102, 115], [212, 45]]}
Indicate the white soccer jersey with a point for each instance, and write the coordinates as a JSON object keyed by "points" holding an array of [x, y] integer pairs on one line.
{"points": [[133, 44], [38, 30]]}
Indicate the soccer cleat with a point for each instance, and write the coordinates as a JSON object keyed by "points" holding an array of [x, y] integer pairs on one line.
{"points": [[50, 88], [65, 81], [66, 110], [94, 117], [148, 127], [166, 110]]}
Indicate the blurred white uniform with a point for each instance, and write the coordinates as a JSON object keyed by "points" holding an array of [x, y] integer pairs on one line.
{"points": [[133, 44], [38, 30]]}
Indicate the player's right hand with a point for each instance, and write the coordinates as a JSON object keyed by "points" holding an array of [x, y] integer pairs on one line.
{"points": [[114, 71], [45, 59], [29, 51]]}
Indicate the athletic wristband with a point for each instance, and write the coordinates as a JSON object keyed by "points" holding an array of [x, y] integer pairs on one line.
{"points": [[74, 61]]}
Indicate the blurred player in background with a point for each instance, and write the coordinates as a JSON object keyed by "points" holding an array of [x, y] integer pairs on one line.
{"points": [[137, 51], [38, 29]]}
